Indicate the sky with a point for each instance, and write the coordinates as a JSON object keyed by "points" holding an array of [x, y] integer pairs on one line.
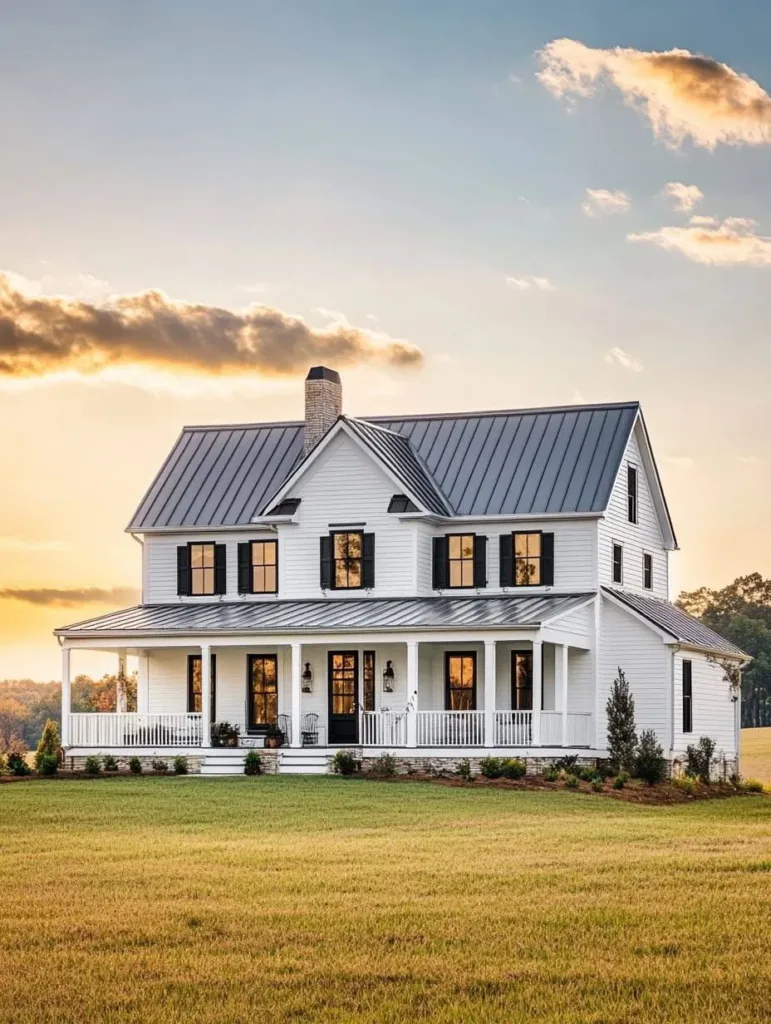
{"points": [[488, 205]]}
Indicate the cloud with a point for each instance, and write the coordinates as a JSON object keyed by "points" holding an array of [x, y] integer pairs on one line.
{"points": [[683, 461], [683, 94], [71, 597], [16, 544], [734, 241], [702, 219], [621, 358], [601, 201], [524, 284], [42, 335], [748, 460], [684, 197]]}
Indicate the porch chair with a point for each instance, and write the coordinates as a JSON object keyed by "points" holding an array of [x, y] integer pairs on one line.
{"points": [[285, 725], [310, 730]]}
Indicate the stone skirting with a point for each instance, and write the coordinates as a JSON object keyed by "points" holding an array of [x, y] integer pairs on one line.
{"points": [[78, 764], [449, 765]]}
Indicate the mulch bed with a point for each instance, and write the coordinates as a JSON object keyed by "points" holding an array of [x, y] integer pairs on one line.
{"points": [[70, 775]]}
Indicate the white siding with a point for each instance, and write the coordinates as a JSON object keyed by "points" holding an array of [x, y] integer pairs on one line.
{"points": [[713, 709], [642, 537]]}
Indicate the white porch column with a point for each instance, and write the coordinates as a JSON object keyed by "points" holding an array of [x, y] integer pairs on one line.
{"points": [[490, 693], [143, 683], [537, 691], [412, 693], [297, 665], [66, 697], [120, 688], [561, 669], [205, 695]]}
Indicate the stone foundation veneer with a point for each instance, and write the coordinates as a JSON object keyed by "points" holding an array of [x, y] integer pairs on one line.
{"points": [[269, 759], [449, 765]]}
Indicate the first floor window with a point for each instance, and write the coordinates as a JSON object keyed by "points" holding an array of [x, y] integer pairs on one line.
{"points": [[687, 696], [460, 560], [618, 564], [263, 690], [461, 681], [202, 569], [195, 685], [347, 555], [264, 566], [368, 681], [648, 572], [527, 559], [522, 680]]}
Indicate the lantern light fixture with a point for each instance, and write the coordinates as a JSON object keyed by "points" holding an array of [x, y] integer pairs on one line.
{"points": [[307, 678], [389, 678]]}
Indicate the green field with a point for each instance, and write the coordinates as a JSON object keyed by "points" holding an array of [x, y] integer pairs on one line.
{"points": [[327, 899]]}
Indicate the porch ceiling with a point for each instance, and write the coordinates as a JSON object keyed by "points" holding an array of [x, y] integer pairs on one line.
{"points": [[343, 616]]}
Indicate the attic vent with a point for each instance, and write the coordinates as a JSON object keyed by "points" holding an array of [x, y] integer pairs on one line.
{"points": [[287, 507], [401, 503]]}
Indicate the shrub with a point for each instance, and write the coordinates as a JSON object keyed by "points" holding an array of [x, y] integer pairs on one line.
{"points": [[698, 759], [604, 769], [344, 763], [135, 766], [464, 769], [159, 765], [385, 765], [49, 744], [752, 786], [598, 783], [685, 782], [566, 764], [618, 782], [622, 734], [513, 768], [649, 762], [109, 763], [491, 767], [551, 774], [223, 734], [48, 764], [252, 763], [180, 766], [571, 781], [17, 763], [92, 765], [2, 763], [587, 774]]}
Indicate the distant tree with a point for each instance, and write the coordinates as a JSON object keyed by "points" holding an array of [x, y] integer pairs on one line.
{"points": [[13, 716], [622, 733]]}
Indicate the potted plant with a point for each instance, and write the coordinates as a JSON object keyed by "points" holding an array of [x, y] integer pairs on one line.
{"points": [[223, 734], [274, 737]]}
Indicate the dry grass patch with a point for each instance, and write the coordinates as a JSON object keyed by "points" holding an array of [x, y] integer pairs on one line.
{"points": [[756, 754], [335, 900]]}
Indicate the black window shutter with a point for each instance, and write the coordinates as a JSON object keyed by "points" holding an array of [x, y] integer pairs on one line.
{"points": [[220, 569], [440, 563], [183, 570], [547, 559], [368, 560], [245, 568], [507, 560], [326, 563], [480, 561]]}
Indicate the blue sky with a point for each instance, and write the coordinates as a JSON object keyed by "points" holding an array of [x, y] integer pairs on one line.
{"points": [[396, 162]]}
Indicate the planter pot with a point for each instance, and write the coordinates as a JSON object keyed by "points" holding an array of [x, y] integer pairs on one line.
{"points": [[272, 742]]}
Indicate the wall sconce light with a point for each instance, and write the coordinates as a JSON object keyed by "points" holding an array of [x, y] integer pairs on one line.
{"points": [[389, 678], [307, 678]]}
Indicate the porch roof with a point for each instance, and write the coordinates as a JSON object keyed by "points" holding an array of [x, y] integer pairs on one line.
{"points": [[345, 616]]}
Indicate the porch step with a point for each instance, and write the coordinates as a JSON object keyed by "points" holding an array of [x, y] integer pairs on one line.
{"points": [[223, 764], [302, 762]]}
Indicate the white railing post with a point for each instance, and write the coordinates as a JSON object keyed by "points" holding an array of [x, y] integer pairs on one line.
{"points": [[489, 693], [296, 694], [561, 667], [66, 697], [537, 690], [205, 695], [412, 693]]}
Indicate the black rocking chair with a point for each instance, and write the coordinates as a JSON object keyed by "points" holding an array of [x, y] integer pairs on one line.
{"points": [[310, 730], [285, 725]]}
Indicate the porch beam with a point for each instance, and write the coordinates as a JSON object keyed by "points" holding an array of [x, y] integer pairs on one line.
{"points": [[296, 694], [537, 690], [490, 651], [66, 697], [561, 667], [205, 695]]}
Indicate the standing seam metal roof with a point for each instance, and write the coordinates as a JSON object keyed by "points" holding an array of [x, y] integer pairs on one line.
{"points": [[535, 461]]}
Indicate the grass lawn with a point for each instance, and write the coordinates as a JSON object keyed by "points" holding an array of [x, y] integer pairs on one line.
{"points": [[325, 899], [756, 754]]}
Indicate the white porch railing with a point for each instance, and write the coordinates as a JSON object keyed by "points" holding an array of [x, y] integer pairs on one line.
{"points": [[551, 728], [450, 728], [580, 729], [383, 729], [135, 730], [513, 728]]}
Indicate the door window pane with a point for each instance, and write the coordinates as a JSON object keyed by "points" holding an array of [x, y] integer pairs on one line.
{"points": [[263, 690], [461, 682]]}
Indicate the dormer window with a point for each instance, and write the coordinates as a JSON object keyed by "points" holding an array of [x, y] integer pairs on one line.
{"points": [[631, 493]]}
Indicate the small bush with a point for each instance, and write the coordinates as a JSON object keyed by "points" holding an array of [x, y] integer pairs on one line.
{"points": [[344, 763], [223, 734], [624, 776], [110, 763], [698, 759], [491, 767], [180, 766], [604, 769], [47, 764], [17, 764], [513, 768], [135, 766], [587, 774], [551, 774], [752, 786], [566, 764], [571, 781], [92, 765], [649, 762], [385, 765], [687, 783], [619, 782], [464, 769], [598, 783], [252, 763], [159, 765], [2, 764], [622, 733], [49, 744]]}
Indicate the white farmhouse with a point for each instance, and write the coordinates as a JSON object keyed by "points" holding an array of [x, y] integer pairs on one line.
{"points": [[436, 586]]}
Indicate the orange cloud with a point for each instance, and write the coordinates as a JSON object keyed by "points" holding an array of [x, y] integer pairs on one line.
{"points": [[683, 94], [68, 598], [720, 244]]}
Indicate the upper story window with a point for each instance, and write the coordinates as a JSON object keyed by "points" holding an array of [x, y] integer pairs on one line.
{"points": [[648, 572], [460, 560], [618, 563], [631, 493], [348, 560], [201, 569], [258, 567], [527, 559], [687, 696]]}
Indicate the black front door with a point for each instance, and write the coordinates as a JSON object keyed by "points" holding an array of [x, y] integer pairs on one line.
{"points": [[343, 669]]}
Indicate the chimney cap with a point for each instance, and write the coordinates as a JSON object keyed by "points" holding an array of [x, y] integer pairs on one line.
{"points": [[323, 373]]}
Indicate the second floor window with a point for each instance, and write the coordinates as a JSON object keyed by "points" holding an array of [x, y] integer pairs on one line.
{"points": [[348, 560], [201, 569], [460, 555], [618, 564], [631, 493], [258, 567], [460, 560], [527, 559], [648, 572]]}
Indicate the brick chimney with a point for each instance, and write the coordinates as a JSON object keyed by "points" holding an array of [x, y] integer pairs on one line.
{"points": [[323, 403]]}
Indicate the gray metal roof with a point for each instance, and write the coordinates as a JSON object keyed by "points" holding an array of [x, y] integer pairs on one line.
{"points": [[673, 620], [533, 461], [319, 616]]}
